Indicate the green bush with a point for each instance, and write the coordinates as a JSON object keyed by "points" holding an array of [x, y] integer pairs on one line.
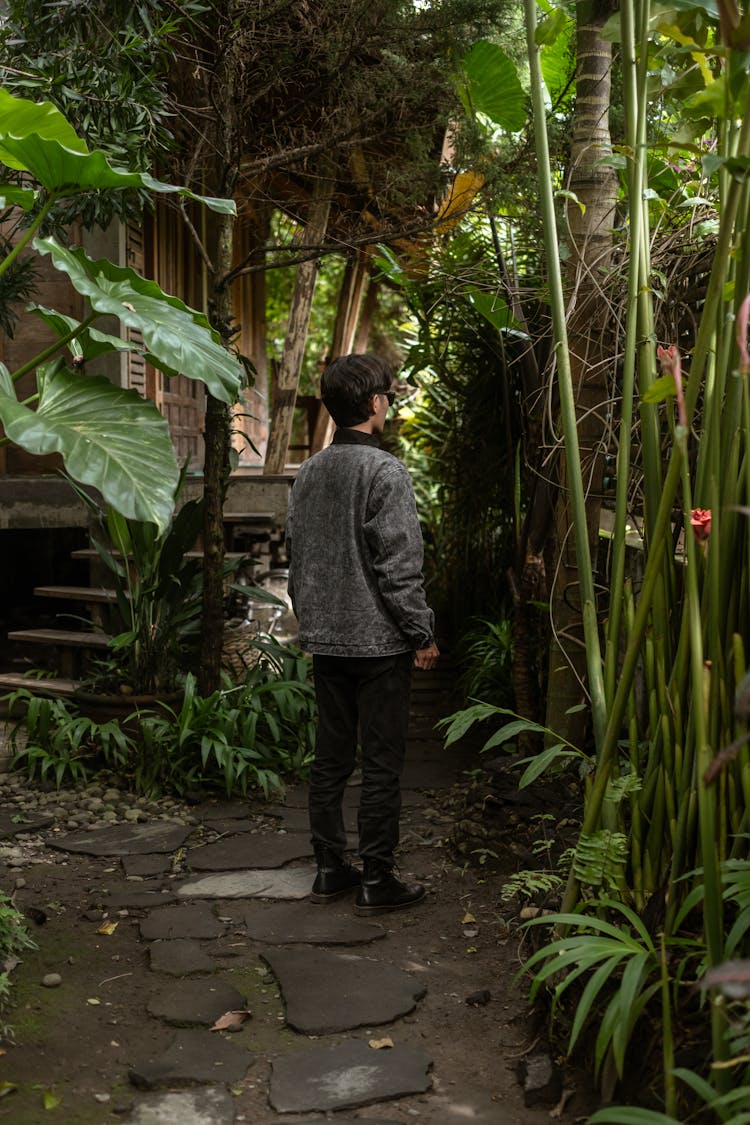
{"points": [[242, 737]]}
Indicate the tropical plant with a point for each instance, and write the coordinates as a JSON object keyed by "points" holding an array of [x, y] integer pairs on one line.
{"points": [[244, 737], [683, 805], [54, 743], [14, 940], [158, 588], [107, 436]]}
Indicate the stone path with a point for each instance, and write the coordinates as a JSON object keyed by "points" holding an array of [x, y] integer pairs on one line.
{"points": [[348, 1040]]}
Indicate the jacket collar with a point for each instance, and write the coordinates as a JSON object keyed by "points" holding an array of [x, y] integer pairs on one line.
{"points": [[345, 436]]}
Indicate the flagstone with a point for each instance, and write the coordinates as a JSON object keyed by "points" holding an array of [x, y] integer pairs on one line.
{"points": [[125, 839], [209, 1106], [189, 920], [286, 883], [346, 1075], [144, 866], [195, 1002], [366, 991], [179, 957], [293, 923], [239, 853], [192, 1057]]}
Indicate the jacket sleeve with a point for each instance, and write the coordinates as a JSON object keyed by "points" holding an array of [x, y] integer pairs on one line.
{"points": [[394, 538]]}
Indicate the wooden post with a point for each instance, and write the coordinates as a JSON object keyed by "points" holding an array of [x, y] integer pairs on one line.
{"points": [[344, 333], [299, 322]]}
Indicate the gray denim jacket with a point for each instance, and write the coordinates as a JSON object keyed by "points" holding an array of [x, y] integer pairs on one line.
{"points": [[355, 551]]}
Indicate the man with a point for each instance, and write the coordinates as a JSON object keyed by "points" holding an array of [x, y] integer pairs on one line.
{"points": [[355, 580]]}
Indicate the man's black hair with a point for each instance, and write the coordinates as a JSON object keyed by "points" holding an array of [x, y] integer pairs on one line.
{"points": [[348, 384]]}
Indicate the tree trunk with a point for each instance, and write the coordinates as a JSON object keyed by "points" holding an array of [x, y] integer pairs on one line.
{"points": [[217, 425], [590, 231], [299, 320]]}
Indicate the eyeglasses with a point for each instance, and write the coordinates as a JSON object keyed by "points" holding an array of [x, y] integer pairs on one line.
{"points": [[390, 395]]}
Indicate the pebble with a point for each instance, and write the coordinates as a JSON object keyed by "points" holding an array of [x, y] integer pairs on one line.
{"points": [[109, 816], [51, 980], [112, 794], [20, 883]]}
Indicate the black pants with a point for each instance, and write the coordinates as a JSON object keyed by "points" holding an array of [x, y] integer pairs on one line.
{"points": [[369, 695]]}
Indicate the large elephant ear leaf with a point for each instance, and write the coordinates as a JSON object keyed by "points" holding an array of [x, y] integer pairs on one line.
{"points": [[108, 437], [494, 86], [21, 118], [178, 340], [89, 342], [36, 138]]}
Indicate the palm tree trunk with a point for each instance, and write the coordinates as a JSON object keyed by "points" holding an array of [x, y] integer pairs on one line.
{"points": [[590, 222]]}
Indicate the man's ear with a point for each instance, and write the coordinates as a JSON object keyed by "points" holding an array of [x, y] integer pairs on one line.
{"points": [[371, 405]]}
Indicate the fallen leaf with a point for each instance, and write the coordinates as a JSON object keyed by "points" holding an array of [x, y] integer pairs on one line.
{"points": [[231, 1019], [51, 1101], [108, 928], [467, 918], [380, 1044], [3, 1051], [471, 931], [7, 1088], [471, 949], [93, 1000]]}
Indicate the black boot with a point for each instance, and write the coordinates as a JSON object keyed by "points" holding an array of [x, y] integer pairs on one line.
{"points": [[381, 891], [335, 876]]}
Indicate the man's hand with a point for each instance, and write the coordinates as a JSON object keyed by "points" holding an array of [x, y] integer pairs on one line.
{"points": [[426, 658]]}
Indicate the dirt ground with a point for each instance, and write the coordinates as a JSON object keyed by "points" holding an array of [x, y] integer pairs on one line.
{"points": [[75, 1043]]}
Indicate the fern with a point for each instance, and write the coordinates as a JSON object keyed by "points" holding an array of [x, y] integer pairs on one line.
{"points": [[600, 859]]}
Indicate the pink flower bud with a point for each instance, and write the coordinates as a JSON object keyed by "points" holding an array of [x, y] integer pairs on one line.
{"points": [[671, 364], [700, 521]]}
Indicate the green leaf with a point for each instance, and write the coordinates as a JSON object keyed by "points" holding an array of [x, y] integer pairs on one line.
{"points": [[508, 731], [108, 437], [58, 169], [558, 64], [660, 390], [20, 117], [462, 721], [494, 86], [542, 762], [13, 196], [51, 1101], [178, 340], [6, 383], [589, 995], [551, 27], [494, 309], [697, 1084], [36, 138], [90, 343]]}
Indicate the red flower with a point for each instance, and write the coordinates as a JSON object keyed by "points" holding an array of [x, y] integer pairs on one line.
{"points": [[700, 521]]}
